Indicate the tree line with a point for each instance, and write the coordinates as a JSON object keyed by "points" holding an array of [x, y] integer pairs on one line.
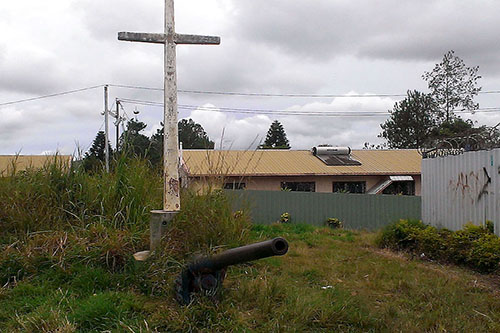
{"points": [[191, 134], [423, 120], [133, 143], [420, 120]]}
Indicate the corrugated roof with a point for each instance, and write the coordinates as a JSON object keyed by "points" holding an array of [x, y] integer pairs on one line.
{"points": [[298, 163], [23, 162]]}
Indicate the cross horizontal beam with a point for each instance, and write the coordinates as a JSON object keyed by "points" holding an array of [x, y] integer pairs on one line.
{"points": [[145, 37], [160, 38], [196, 39]]}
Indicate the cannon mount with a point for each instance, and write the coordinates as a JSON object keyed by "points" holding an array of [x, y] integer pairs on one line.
{"points": [[206, 274]]}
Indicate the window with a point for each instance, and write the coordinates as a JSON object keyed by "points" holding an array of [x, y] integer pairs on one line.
{"points": [[234, 186], [404, 188], [349, 187], [299, 186]]}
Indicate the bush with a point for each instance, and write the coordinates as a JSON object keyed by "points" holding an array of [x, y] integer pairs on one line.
{"points": [[474, 246], [400, 235], [334, 223]]}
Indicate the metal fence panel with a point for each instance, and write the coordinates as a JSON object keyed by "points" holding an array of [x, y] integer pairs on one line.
{"points": [[460, 189], [357, 211]]}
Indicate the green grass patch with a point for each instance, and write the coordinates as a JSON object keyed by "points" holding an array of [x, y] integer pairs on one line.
{"points": [[66, 266]]}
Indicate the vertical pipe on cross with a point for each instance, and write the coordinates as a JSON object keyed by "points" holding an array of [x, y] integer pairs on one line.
{"points": [[106, 127], [171, 199]]}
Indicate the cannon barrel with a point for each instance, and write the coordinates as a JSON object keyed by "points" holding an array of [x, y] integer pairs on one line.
{"points": [[273, 247], [206, 274]]}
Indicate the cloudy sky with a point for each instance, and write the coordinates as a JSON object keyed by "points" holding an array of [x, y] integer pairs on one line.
{"points": [[280, 47]]}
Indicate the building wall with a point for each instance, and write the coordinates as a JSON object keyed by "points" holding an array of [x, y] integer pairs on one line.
{"points": [[10, 164], [324, 184]]}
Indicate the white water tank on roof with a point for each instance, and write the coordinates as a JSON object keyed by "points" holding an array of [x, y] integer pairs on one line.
{"points": [[331, 151]]}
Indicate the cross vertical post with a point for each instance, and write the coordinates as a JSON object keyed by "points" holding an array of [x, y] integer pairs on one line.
{"points": [[171, 186], [171, 198]]}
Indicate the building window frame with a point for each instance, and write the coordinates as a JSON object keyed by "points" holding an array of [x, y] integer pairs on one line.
{"points": [[298, 186], [406, 187], [350, 186], [234, 185]]}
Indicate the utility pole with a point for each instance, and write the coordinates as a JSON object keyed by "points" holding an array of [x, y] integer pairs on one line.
{"points": [[117, 122], [106, 126], [170, 39]]}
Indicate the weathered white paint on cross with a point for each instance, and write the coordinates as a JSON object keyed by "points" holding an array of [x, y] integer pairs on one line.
{"points": [[171, 199]]}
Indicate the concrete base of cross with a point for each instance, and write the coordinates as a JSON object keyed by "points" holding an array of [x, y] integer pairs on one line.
{"points": [[158, 225]]}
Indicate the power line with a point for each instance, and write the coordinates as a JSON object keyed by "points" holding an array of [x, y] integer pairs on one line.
{"points": [[310, 113], [259, 111], [231, 93], [227, 93], [216, 93], [50, 95]]}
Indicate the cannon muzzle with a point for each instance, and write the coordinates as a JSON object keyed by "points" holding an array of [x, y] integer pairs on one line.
{"points": [[206, 274]]}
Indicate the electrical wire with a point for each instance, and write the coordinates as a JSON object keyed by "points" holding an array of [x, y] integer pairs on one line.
{"points": [[325, 113], [51, 95], [230, 93]]}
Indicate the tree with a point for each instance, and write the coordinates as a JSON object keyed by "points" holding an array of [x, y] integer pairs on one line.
{"points": [[191, 134], [372, 146], [276, 137], [453, 85], [96, 155], [461, 133], [411, 122], [132, 141]]}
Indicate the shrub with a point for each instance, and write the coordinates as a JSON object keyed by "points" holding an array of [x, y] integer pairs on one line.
{"points": [[474, 246], [485, 253], [334, 223], [285, 217], [400, 235]]}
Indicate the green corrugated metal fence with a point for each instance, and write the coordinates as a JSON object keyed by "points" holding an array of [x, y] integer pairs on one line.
{"points": [[357, 211]]}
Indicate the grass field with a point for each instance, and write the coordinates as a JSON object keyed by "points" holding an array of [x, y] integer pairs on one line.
{"points": [[66, 245], [331, 280]]}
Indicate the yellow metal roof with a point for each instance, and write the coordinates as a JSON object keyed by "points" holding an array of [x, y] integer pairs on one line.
{"points": [[298, 163], [8, 163]]}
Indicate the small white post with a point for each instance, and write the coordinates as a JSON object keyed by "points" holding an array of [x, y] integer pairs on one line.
{"points": [[106, 127]]}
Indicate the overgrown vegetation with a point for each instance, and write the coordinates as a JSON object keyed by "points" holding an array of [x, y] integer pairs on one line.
{"points": [[66, 266], [474, 246]]}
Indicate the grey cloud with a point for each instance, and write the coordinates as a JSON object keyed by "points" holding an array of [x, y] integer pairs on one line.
{"points": [[30, 73], [105, 20], [394, 30]]}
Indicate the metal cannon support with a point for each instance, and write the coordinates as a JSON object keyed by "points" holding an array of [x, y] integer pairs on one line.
{"points": [[206, 274]]}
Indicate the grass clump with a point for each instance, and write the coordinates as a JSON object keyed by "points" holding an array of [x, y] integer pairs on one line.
{"points": [[56, 197], [207, 221], [474, 246]]}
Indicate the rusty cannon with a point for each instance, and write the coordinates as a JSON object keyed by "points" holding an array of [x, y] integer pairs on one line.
{"points": [[206, 274]]}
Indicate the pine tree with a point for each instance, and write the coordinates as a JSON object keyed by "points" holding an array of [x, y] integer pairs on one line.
{"points": [[191, 134], [453, 85], [96, 155], [133, 141], [276, 137]]}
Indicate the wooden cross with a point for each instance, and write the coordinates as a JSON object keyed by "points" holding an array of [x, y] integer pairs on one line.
{"points": [[171, 199]]}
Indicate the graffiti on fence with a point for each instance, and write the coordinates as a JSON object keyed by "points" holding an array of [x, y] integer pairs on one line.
{"points": [[471, 186]]}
